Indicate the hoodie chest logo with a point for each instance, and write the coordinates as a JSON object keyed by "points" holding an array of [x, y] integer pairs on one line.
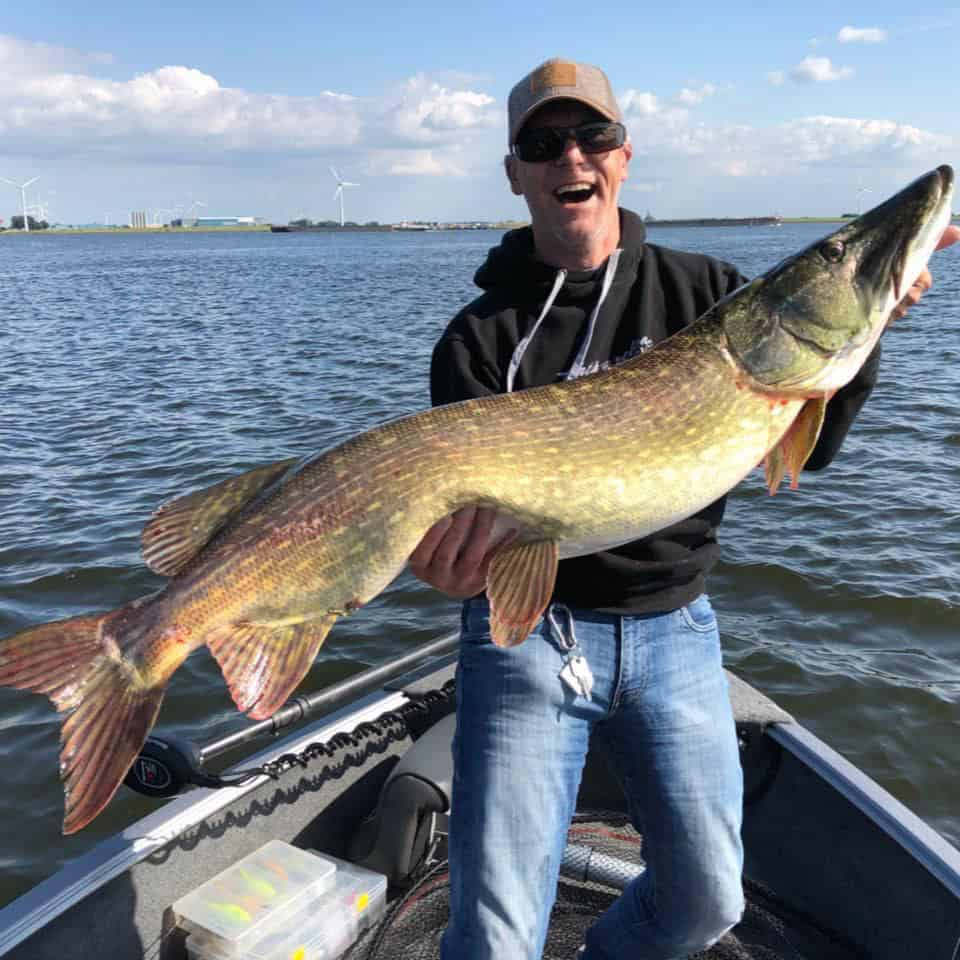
{"points": [[640, 345]]}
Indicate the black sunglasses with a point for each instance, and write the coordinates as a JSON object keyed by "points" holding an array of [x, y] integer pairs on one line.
{"points": [[547, 143]]}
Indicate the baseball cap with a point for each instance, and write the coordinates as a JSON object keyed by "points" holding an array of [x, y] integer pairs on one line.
{"points": [[558, 79]]}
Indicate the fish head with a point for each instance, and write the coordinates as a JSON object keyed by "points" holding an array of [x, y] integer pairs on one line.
{"points": [[805, 327]]}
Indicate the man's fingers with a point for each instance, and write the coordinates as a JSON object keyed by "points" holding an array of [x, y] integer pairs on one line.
{"points": [[912, 297], [439, 550], [449, 549], [474, 549], [423, 554], [950, 236]]}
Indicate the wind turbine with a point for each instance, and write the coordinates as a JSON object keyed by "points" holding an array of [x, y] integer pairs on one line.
{"points": [[22, 187], [341, 183], [860, 192], [192, 210], [41, 209]]}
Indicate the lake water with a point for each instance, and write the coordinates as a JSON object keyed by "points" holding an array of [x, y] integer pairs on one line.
{"points": [[137, 367]]}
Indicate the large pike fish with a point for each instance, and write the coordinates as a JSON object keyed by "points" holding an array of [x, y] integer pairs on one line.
{"points": [[263, 564]]}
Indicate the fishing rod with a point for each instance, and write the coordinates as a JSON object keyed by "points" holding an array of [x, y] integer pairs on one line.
{"points": [[166, 765]]}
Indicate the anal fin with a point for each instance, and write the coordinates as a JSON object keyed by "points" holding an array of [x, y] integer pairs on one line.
{"points": [[520, 581], [263, 663], [796, 445]]}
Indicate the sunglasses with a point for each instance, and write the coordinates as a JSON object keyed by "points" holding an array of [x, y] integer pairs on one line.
{"points": [[547, 143]]}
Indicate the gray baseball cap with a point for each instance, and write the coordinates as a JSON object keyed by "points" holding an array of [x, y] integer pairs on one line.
{"points": [[558, 79]]}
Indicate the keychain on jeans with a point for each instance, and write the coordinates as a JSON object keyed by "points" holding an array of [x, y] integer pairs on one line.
{"points": [[576, 672]]}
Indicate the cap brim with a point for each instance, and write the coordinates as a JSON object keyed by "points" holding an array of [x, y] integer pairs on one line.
{"points": [[552, 98]]}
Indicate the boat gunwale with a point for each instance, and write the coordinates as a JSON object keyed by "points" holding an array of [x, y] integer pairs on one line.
{"points": [[923, 844], [115, 855]]}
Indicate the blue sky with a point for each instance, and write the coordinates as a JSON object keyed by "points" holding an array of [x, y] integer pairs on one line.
{"points": [[241, 109]]}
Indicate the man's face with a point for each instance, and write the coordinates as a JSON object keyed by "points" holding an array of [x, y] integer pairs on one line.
{"points": [[566, 220]]}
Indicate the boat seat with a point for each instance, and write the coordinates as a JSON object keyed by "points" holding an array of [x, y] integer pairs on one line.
{"points": [[394, 840]]}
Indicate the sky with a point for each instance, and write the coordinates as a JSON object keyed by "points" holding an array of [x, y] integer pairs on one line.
{"points": [[241, 109]]}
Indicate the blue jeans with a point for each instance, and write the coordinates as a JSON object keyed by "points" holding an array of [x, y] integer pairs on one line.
{"points": [[660, 704]]}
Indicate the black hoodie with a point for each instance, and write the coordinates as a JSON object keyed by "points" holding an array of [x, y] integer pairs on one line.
{"points": [[655, 292]]}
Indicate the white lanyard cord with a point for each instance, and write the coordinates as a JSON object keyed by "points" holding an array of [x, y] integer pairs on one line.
{"points": [[578, 368], [521, 347], [579, 365]]}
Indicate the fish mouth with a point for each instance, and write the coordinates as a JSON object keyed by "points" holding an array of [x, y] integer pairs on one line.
{"points": [[942, 180]]}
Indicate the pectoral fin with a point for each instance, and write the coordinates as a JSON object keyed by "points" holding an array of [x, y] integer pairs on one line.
{"points": [[263, 663], [520, 582], [181, 528], [796, 445]]}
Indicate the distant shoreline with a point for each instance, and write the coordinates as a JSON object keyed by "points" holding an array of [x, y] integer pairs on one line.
{"points": [[390, 228], [61, 231], [386, 228]]}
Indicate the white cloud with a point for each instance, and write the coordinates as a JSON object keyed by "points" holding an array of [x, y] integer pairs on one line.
{"points": [[19, 56], [416, 163], [862, 35], [422, 110], [825, 139], [52, 102], [738, 168], [819, 70], [669, 147], [777, 77], [639, 103], [694, 96]]}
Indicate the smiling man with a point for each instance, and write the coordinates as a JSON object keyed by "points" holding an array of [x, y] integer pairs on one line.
{"points": [[568, 159], [629, 648]]}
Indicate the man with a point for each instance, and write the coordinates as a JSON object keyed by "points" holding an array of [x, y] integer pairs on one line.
{"points": [[629, 647]]}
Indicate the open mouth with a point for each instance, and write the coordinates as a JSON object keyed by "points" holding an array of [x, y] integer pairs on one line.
{"points": [[571, 193]]}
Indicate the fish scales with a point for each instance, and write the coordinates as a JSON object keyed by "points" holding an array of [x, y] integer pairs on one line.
{"points": [[312, 522]]}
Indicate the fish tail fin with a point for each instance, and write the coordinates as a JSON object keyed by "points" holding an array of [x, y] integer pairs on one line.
{"points": [[107, 710]]}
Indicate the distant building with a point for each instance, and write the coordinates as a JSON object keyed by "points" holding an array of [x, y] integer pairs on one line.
{"points": [[139, 220], [223, 222]]}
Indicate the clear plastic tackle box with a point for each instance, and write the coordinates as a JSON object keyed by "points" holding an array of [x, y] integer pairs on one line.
{"points": [[281, 903]]}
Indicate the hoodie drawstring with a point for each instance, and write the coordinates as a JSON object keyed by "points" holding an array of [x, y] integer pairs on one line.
{"points": [[579, 365], [579, 368], [521, 347]]}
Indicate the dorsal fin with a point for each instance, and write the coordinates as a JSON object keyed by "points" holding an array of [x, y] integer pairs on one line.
{"points": [[180, 529], [796, 445]]}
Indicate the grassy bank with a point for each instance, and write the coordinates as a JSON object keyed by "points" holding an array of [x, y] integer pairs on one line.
{"points": [[61, 231]]}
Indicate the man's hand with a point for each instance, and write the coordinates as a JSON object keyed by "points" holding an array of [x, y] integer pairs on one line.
{"points": [[923, 283], [454, 554]]}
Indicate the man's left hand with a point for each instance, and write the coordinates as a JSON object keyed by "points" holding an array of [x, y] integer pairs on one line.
{"points": [[923, 283]]}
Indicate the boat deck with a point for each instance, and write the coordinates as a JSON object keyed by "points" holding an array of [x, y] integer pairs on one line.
{"points": [[770, 929], [836, 869]]}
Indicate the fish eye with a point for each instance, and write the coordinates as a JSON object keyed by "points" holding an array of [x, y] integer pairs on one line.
{"points": [[833, 250]]}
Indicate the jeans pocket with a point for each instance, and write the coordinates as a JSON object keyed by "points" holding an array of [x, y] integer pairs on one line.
{"points": [[475, 622], [699, 615]]}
